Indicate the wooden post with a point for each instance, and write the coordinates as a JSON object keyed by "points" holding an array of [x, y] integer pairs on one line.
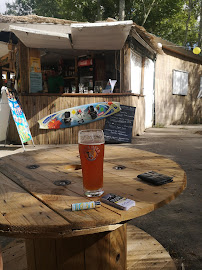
{"points": [[122, 70], [103, 251], [24, 67], [1, 80], [127, 68]]}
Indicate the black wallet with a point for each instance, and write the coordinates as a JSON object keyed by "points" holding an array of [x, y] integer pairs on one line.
{"points": [[155, 178]]}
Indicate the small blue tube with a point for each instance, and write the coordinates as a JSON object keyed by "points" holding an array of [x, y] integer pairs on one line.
{"points": [[85, 205]]}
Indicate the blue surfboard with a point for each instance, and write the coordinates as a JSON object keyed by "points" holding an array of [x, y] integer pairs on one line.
{"points": [[79, 115]]}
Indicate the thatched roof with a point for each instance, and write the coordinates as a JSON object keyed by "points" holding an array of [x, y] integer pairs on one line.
{"points": [[154, 41], [39, 19], [180, 50], [147, 37], [33, 19]]}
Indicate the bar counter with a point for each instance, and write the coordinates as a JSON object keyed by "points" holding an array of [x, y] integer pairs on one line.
{"points": [[38, 105]]}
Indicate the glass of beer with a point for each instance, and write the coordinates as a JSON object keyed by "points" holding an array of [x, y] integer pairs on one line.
{"points": [[91, 150]]}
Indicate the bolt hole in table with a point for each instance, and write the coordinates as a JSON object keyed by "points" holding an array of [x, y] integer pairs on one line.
{"points": [[35, 204]]}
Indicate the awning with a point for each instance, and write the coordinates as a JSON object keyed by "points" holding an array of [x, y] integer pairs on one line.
{"points": [[101, 35], [35, 38]]}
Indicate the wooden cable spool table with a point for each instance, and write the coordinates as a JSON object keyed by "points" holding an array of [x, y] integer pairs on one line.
{"points": [[37, 189]]}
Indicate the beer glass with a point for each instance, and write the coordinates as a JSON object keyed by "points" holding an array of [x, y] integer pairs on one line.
{"points": [[91, 150]]}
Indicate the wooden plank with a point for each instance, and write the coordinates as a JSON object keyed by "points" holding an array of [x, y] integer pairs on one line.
{"points": [[53, 163], [118, 248], [41, 254], [14, 255], [36, 107], [70, 253], [143, 252], [58, 198], [80, 252], [24, 67], [22, 213]]}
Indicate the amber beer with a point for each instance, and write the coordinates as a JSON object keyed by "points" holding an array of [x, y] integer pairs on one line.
{"points": [[91, 150]]}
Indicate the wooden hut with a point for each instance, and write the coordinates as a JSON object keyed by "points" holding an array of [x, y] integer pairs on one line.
{"points": [[178, 86], [87, 53], [38, 44]]}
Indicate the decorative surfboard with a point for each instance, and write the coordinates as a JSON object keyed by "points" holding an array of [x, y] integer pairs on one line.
{"points": [[79, 115]]}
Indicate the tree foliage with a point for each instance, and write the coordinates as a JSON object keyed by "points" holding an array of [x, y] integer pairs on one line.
{"points": [[20, 7], [176, 21]]}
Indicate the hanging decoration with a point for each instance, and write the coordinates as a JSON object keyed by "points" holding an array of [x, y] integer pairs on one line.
{"points": [[196, 50]]}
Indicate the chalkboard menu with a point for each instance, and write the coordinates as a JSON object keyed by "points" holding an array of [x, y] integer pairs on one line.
{"points": [[118, 127]]}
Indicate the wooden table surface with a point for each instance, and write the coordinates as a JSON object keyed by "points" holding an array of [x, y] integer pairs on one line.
{"points": [[32, 205]]}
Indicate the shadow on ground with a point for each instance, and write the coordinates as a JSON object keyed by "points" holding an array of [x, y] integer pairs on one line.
{"points": [[177, 226]]}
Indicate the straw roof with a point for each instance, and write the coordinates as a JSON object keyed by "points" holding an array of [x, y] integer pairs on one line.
{"points": [[39, 19], [147, 37], [154, 41], [33, 19]]}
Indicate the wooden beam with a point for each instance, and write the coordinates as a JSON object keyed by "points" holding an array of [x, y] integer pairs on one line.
{"points": [[24, 67], [122, 70], [1, 80]]}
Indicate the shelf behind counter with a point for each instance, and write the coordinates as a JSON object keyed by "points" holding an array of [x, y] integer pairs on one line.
{"points": [[38, 105]]}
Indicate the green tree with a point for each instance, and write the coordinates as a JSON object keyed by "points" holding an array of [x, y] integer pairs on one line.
{"points": [[200, 28], [48, 8], [122, 10], [20, 7]]}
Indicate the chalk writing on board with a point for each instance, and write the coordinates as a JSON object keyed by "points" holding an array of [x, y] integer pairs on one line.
{"points": [[118, 127]]}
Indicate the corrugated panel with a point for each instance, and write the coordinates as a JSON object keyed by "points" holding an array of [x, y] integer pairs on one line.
{"points": [[34, 38], [100, 36]]}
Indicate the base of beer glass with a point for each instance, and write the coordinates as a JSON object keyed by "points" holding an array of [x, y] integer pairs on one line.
{"points": [[94, 193]]}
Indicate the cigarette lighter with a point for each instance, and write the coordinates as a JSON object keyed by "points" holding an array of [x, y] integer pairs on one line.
{"points": [[85, 205]]}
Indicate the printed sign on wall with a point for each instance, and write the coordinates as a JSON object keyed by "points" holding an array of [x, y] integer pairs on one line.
{"points": [[35, 64], [35, 82]]}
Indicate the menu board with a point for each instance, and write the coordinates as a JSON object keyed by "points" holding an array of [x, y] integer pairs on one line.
{"points": [[118, 127]]}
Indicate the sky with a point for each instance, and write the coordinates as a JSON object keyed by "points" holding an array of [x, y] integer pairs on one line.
{"points": [[3, 5]]}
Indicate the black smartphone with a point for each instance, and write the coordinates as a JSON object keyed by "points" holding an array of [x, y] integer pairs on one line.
{"points": [[155, 178]]}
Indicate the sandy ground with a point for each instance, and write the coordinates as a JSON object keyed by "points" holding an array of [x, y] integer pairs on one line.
{"points": [[178, 225]]}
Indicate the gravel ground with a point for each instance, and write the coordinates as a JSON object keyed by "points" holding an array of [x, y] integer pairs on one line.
{"points": [[178, 225]]}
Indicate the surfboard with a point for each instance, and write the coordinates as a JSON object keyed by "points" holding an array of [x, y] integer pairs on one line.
{"points": [[79, 115]]}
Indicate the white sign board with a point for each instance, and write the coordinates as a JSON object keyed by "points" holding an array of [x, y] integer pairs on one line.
{"points": [[180, 82]]}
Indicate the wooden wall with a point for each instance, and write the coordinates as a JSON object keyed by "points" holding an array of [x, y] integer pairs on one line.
{"points": [[36, 107], [176, 109]]}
